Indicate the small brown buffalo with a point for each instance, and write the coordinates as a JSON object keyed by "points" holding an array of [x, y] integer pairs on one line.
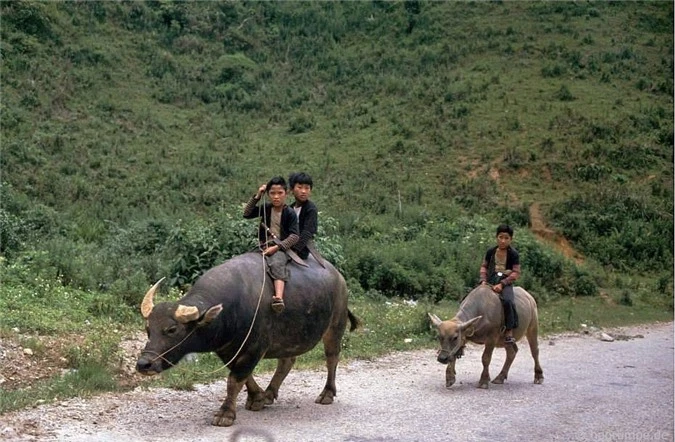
{"points": [[480, 319]]}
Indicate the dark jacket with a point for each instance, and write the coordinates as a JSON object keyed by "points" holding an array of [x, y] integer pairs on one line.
{"points": [[289, 223], [487, 268], [308, 222]]}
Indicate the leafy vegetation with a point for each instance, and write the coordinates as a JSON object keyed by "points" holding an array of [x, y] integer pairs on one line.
{"points": [[132, 133]]}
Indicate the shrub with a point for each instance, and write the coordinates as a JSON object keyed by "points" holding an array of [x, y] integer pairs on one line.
{"points": [[583, 284], [564, 94], [592, 172], [10, 233], [196, 248], [515, 216], [301, 123], [620, 228], [28, 17], [552, 71], [540, 262], [626, 298], [328, 242]]}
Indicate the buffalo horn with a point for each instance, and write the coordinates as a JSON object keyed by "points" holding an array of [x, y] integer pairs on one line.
{"points": [[468, 323], [186, 313], [147, 304], [435, 320]]}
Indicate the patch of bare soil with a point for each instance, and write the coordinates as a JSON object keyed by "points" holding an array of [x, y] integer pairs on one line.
{"points": [[25, 360], [537, 221], [494, 173], [540, 229], [28, 359]]}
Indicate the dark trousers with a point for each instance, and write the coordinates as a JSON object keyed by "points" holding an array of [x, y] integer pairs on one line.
{"points": [[510, 314]]}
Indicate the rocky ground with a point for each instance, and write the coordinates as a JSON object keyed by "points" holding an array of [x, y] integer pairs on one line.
{"points": [[26, 359]]}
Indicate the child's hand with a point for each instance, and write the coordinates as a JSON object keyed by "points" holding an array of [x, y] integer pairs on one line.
{"points": [[271, 250], [261, 191], [498, 288]]}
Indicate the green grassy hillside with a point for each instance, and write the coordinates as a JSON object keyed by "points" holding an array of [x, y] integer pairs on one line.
{"points": [[132, 132]]}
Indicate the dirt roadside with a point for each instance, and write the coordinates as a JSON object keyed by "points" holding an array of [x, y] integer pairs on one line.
{"points": [[593, 390]]}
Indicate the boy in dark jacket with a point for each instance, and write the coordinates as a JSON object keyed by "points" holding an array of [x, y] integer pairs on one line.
{"points": [[277, 232], [500, 269], [301, 187]]}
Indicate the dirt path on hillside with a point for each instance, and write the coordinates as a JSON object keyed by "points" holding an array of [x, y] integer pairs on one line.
{"points": [[539, 228], [593, 390]]}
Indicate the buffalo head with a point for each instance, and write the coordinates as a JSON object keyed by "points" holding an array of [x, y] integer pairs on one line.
{"points": [[170, 327], [452, 336]]}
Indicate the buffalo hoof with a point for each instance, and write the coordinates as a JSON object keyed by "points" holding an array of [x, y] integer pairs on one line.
{"points": [[255, 402], [499, 379], [223, 418], [269, 397], [449, 383], [483, 385], [325, 398], [539, 381]]}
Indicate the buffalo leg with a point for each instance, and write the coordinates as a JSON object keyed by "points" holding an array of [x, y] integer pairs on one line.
{"points": [[534, 349], [486, 358], [331, 345], [226, 415], [450, 373], [284, 366], [255, 400], [511, 350]]}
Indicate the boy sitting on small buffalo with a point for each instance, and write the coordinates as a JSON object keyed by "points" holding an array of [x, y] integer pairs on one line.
{"points": [[500, 269], [277, 233]]}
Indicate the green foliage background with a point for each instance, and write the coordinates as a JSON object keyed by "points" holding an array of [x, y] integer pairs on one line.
{"points": [[132, 132]]}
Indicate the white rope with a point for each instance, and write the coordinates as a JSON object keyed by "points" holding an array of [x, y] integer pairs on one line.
{"points": [[262, 287]]}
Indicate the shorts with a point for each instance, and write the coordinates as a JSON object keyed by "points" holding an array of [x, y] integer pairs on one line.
{"points": [[277, 266]]}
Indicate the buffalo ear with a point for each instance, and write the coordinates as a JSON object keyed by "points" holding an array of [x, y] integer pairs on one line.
{"points": [[434, 319], [210, 314]]}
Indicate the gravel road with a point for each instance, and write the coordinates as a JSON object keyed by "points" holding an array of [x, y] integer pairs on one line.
{"points": [[593, 391]]}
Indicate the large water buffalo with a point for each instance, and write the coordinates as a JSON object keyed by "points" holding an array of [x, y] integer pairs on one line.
{"points": [[227, 311], [480, 319]]}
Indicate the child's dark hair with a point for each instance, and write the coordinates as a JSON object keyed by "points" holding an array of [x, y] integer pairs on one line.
{"points": [[276, 181], [299, 178], [504, 228]]}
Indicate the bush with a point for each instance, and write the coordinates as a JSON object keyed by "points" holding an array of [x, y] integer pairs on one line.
{"points": [[515, 216], [441, 261], [552, 71], [621, 227], [539, 261], [584, 284], [29, 17], [564, 94], [10, 233], [301, 123], [328, 241], [197, 245]]}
